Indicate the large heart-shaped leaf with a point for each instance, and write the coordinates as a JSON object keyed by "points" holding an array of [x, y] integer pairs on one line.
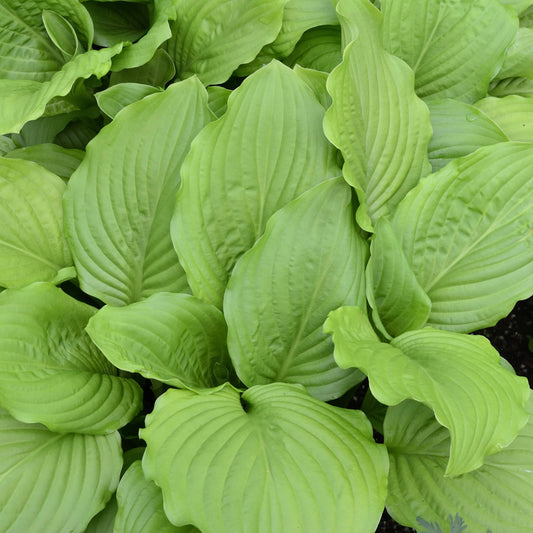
{"points": [[140, 506], [310, 261], [118, 207], [458, 130], [496, 497], [454, 48], [381, 127], [266, 149], [52, 482], [213, 37], [32, 245], [51, 371], [441, 369], [174, 338], [466, 232], [289, 461]]}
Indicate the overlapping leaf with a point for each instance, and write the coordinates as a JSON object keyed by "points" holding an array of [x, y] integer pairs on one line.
{"points": [[381, 127], [466, 232], [266, 149], [213, 37], [291, 462], [454, 48], [120, 201], [51, 371], [174, 338], [51, 482], [495, 497], [519, 57], [459, 376], [310, 261], [115, 98], [32, 245]]}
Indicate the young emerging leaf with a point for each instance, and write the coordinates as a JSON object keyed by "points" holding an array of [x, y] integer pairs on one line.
{"points": [[51, 482], [51, 371], [61, 33], [454, 48], [442, 370], [466, 232], [32, 245], [117, 97], [120, 201], [310, 261], [267, 149], [210, 39], [381, 127], [277, 458], [174, 338], [496, 497]]}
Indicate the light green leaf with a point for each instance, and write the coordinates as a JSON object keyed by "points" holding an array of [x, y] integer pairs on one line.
{"points": [[509, 86], [513, 114], [458, 130], [32, 245], [117, 22], [58, 160], [318, 49], [466, 232], [218, 99], [51, 482], [310, 260], [25, 48], [156, 72], [104, 521], [298, 17], [61, 33], [454, 48], [518, 5], [398, 301], [213, 37], [519, 57], [266, 149], [526, 16], [140, 506], [115, 98], [118, 207], [316, 80], [442, 370], [24, 100], [6, 145], [386, 156], [144, 49], [495, 497], [51, 371], [174, 338], [293, 462]]}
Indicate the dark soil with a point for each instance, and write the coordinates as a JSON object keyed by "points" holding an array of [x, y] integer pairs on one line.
{"points": [[511, 336]]}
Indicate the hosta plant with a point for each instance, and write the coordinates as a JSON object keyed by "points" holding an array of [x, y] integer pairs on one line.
{"points": [[218, 219]]}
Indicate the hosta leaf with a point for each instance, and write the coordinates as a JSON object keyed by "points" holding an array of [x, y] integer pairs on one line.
{"points": [[442, 370], [104, 521], [466, 232], [385, 156], [25, 48], [513, 114], [512, 86], [118, 207], [518, 5], [319, 48], [61, 32], [6, 145], [454, 47], [496, 497], [316, 80], [519, 58], [399, 303], [213, 37], [298, 16], [458, 130], [218, 99], [51, 482], [310, 261], [115, 98], [266, 149], [51, 371], [292, 462], [174, 338], [140, 506], [24, 100], [32, 245], [157, 72], [58, 160]]}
